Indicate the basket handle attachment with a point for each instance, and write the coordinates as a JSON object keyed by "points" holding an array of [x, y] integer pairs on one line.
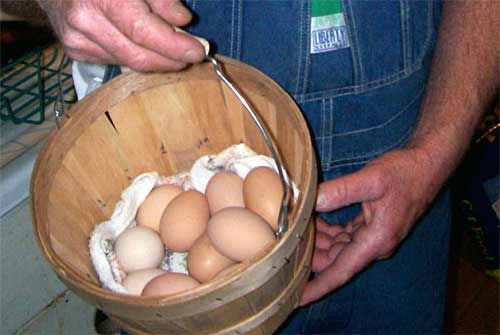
{"points": [[59, 110], [283, 214]]}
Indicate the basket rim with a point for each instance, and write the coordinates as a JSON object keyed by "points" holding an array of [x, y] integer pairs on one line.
{"points": [[68, 274]]}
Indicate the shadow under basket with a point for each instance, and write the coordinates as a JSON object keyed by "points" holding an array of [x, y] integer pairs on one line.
{"points": [[163, 122]]}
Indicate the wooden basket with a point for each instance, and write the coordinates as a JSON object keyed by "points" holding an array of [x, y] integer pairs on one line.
{"points": [[164, 122]]}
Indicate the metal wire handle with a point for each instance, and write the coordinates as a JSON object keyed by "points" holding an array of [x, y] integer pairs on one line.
{"points": [[283, 214], [59, 110]]}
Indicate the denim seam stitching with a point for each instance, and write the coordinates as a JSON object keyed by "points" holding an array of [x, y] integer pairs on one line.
{"points": [[330, 144], [323, 129], [307, 35], [300, 37], [369, 155], [359, 75], [351, 30], [364, 130], [428, 38], [404, 17], [378, 83], [231, 46], [337, 92], [239, 25]]}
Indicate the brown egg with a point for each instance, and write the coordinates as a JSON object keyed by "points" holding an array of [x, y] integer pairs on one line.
{"points": [[139, 248], [262, 191], [204, 262], [169, 283], [151, 210], [225, 189], [239, 234], [135, 281], [184, 220]]}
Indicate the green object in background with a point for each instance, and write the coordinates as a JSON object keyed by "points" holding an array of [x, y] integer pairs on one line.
{"points": [[29, 84], [325, 7]]}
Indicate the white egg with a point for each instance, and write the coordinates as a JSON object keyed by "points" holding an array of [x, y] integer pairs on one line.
{"points": [[139, 248]]}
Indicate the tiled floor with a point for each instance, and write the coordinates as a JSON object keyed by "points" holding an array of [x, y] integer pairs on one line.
{"points": [[66, 315], [27, 283]]}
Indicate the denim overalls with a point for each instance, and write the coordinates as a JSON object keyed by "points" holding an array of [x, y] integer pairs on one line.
{"points": [[360, 102]]}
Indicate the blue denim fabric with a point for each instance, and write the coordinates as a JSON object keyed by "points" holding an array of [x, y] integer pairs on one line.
{"points": [[359, 102]]}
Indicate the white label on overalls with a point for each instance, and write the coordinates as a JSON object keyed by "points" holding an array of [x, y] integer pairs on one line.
{"points": [[328, 33]]}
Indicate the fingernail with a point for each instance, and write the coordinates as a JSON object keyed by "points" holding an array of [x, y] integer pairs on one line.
{"points": [[179, 9], [320, 201], [191, 56]]}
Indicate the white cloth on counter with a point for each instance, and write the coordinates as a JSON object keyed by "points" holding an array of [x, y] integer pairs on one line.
{"points": [[239, 159]]}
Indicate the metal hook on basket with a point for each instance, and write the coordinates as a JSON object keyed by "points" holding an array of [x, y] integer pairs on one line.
{"points": [[59, 110], [283, 214]]}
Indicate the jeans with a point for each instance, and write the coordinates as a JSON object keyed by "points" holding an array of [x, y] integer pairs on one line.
{"points": [[359, 102]]}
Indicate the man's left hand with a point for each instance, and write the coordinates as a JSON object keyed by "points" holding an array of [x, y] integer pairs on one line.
{"points": [[394, 190]]}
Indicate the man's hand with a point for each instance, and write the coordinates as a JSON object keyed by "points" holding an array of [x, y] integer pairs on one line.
{"points": [[135, 33], [394, 191]]}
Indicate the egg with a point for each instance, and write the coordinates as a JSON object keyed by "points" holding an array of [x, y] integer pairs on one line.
{"points": [[151, 210], [169, 283], [262, 193], [239, 234], [204, 262], [184, 220], [139, 248], [225, 189], [135, 281]]}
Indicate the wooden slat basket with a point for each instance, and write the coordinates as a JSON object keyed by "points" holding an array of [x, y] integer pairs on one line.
{"points": [[163, 122]]}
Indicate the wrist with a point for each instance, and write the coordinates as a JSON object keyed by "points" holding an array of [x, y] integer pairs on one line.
{"points": [[437, 161]]}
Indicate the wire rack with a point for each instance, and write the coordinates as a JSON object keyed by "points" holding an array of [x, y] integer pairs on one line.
{"points": [[30, 84]]}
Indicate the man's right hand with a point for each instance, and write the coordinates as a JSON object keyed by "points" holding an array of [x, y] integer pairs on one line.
{"points": [[136, 33]]}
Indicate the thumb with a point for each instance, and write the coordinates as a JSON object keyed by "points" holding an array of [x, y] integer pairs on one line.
{"points": [[366, 184]]}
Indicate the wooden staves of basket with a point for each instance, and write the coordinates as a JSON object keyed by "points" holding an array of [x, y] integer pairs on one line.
{"points": [[164, 122]]}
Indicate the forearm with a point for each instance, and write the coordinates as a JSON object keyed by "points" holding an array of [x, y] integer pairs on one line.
{"points": [[463, 81]]}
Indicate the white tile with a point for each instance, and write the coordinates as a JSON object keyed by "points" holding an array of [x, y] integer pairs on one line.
{"points": [[67, 315], [27, 283], [15, 179]]}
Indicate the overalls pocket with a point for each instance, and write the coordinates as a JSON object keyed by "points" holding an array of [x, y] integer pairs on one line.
{"points": [[389, 59], [388, 41]]}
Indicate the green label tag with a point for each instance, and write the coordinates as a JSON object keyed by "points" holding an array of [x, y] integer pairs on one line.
{"points": [[328, 29]]}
